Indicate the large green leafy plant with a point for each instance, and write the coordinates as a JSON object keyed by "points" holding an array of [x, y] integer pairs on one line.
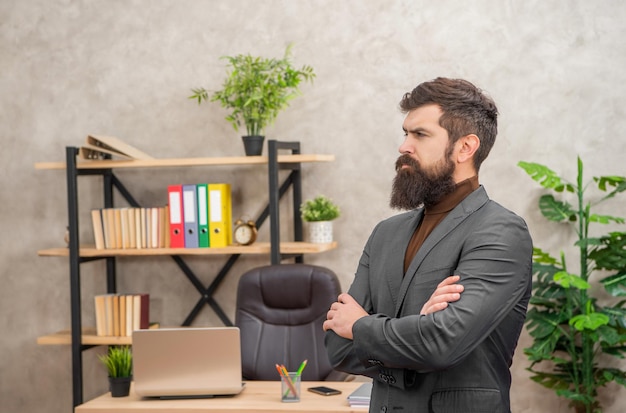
{"points": [[576, 338], [257, 89]]}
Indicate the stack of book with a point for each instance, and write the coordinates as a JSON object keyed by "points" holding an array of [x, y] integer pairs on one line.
{"points": [[361, 396], [120, 314], [122, 228]]}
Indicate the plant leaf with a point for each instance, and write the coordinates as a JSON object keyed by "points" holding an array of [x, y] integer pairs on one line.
{"points": [[542, 257], [605, 219], [619, 182], [545, 176], [568, 280], [556, 210], [615, 284], [543, 323], [612, 254], [589, 321]]}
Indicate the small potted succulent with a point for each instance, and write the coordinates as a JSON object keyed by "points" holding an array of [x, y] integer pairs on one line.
{"points": [[255, 90], [319, 212], [119, 364]]}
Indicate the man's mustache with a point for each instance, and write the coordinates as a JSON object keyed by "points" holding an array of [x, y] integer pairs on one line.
{"points": [[408, 161]]}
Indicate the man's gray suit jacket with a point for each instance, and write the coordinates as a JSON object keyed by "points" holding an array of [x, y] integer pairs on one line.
{"points": [[456, 360]]}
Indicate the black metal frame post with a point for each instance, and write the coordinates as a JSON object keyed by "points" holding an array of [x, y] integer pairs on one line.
{"points": [[77, 347], [74, 257], [295, 180]]}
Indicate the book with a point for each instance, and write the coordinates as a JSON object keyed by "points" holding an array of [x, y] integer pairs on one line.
{"points": [[100, 315], [108, 306], [129, 315], [220, 215], [203, 215], [141, 311], [98, 230], [176, 224], [122, 315], [138, 226], [125, 229], [143, 227], [117, 222], [99, 147], [190, 216], [108, 224], [118, 315], [131, 228], [360, 397]]}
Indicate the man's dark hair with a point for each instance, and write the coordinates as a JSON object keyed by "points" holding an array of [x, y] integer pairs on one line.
{"points": [[466, 110]]}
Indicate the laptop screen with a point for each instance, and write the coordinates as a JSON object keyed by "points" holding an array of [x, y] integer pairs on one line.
{"points": [[187, 362]]}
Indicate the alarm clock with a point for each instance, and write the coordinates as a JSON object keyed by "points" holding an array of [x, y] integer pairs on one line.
{"points": [[244, 232]]}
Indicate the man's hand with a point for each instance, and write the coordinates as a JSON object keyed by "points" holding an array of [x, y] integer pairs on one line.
{"points": [[447, 291], [343, 314]]}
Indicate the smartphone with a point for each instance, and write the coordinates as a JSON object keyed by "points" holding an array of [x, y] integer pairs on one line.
{"points": [[326, 391]]}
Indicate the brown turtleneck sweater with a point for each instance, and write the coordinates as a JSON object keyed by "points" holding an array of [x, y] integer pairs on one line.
{"points": [[435, 214]]}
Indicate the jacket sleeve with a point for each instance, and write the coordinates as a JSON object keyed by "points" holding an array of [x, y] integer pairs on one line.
{"points": [[341, 350]]}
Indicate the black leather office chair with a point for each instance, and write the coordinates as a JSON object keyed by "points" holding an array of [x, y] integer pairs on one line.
{"points": [[280, 311]]}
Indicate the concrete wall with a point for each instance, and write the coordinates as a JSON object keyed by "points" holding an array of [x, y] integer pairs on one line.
{"points": [[125, 68]]}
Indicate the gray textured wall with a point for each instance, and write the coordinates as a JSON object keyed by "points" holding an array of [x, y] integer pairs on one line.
{"points": [[125, 68]]}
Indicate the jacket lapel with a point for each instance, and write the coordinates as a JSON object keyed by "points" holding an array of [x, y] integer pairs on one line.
{"points": [[398, 250], [470, 204]]}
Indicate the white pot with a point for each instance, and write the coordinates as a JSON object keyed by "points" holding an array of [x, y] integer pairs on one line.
{"points": [[321, 232]]}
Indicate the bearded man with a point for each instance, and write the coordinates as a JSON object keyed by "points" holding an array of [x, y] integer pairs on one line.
{"points": [[440, 294]]}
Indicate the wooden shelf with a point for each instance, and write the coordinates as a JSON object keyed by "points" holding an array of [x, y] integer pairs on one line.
{"points": [[257, 248], [185, 162], [89, 337]]}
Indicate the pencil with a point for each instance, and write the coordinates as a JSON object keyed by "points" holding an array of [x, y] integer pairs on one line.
{"points": [[302, 366], [285, 376]]}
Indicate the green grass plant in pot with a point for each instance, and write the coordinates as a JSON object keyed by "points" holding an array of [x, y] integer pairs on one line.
{"points": [[119, 364], [319, 212], [256, 90], [579, 332]]}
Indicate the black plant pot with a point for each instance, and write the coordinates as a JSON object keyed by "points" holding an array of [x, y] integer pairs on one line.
{"points": [[253, 145], [119, 386]]}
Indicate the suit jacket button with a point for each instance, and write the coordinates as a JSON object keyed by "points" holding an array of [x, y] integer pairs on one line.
{"points": [[383, 409]]}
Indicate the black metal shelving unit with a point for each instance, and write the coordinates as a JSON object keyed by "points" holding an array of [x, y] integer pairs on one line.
{"points": [[276, 190]]}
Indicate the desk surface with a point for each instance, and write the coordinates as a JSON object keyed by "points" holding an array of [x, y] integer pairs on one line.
{"points": [[257, 397]]}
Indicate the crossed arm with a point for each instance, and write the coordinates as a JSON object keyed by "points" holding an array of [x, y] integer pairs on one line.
{"points": [[346, 310]]}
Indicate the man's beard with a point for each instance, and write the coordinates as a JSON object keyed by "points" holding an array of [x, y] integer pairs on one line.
{"points": [[414, 186]]}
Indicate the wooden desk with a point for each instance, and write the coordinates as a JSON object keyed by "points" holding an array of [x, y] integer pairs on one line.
{"points": [[257, 397]]}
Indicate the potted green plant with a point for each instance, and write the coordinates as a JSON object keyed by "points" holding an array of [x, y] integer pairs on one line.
{"points": [[576, 335], [319, 212], [119, 364], [255, 90]]}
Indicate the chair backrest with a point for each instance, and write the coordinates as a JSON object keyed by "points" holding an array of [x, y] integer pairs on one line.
{"points": [[280, 312]]}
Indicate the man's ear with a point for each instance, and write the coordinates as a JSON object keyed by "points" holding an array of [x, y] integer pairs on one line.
{"points": [[468, 145]]}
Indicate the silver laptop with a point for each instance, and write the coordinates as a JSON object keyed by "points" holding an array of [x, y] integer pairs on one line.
{"points": [[187, 362]]}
